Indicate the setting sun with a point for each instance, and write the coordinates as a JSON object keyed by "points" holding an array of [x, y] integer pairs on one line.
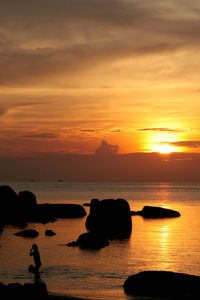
{"points": [[164, 148]]}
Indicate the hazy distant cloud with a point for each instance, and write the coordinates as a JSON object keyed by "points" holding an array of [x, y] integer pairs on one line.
{"points": [[40, 136], [190, 144], [2, 110], [160, 129], [116, 130], [4, 149], [87, 130], [106, 149]]}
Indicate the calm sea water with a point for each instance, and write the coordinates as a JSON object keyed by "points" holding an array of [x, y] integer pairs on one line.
{"points": [[169, 244]]}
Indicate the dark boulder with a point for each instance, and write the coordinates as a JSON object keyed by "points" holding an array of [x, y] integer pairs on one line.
{"points": [[49, 232], [153, 212], [16, 209], [163, 284], [7, 196], [31, 291], [8, 204], [90, 240], [110, 217], [28, 233], [61, 210], [27, 203]]}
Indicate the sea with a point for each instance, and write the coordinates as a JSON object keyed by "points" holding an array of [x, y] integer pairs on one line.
{"points": [[158, 244]]}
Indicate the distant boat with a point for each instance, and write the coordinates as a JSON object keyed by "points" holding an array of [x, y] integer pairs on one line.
{"points": [[32, 180], [60, 180]]}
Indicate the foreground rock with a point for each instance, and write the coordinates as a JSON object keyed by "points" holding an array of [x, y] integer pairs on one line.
{"points": [[23, 292], [90, 240], [110, 217], [163, 284], [152, 212]]}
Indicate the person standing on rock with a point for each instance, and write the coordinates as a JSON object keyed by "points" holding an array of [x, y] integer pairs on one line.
{"points": [[36, 257]]}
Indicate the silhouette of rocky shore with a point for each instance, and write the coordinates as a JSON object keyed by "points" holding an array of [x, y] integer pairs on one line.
{"points": [[31, 291], [18, 209]]}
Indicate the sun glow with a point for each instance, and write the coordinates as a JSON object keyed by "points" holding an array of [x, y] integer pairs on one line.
{"points": [[162, 140], [164, 148]]}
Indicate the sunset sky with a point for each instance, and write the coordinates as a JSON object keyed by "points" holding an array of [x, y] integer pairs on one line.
{"points": [[76, 72]]}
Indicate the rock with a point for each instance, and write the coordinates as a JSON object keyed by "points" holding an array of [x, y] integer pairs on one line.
{"points": [[27, 233], [152, 212], [110, 217], [71, 244], [16, 209], [90, 240], [163, 283], [49, 232], [61, 210], [27, 202], [7, 196], [31, 291], [20, 209], [8, 204]]}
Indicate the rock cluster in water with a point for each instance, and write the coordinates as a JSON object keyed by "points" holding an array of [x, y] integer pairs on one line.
{"points": [[17, 209], [107, 219]]}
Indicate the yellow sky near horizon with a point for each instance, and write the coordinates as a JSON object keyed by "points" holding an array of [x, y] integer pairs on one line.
{"points": [[74, 73]]}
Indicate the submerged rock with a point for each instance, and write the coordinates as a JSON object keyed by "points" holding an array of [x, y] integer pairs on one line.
{"points": [[163, 284], [49, 232], [110, 217], [28, 233], [90, 240], [152, 212]]}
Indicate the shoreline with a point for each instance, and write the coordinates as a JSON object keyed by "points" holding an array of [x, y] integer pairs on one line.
{"points": [[58, 296]]}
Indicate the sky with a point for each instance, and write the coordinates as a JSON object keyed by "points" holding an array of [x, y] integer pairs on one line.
{"points": [[74, 73]]}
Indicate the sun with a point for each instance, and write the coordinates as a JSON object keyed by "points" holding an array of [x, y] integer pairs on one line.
{"points": [[164, 148]]}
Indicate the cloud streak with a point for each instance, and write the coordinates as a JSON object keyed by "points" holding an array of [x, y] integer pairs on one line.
{"points": [[162, 129], [189, 144], [40, 136]]}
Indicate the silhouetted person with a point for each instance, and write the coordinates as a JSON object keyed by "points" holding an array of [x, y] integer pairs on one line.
{"points": [[36, 256]]}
